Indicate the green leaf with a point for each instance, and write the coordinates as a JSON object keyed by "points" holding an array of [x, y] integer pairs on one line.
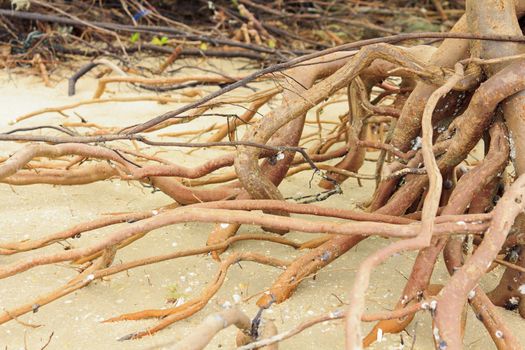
{"points": [[272, 43], [159, 41], [156, 41], [203, 46], [134, 37]]}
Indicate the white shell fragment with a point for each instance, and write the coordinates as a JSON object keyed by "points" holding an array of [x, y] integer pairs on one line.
{"points": [[379, 336], [471, 294]]}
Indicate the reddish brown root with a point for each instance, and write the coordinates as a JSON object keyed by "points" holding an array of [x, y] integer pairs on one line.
{"points": [[449, 98]]}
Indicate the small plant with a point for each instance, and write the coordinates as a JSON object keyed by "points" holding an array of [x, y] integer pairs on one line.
{"points": [[159, 41], [135, 37]]}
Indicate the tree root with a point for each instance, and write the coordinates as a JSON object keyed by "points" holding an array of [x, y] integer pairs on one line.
{"points": [[201, 335], [429, 197], [187, 309]]}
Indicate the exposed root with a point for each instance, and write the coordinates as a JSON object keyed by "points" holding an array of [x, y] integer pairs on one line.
{"points": [[169, 316], [202, 334], [430, 196]]}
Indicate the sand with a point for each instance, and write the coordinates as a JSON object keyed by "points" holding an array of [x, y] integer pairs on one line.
{"points": [[75, 320]]}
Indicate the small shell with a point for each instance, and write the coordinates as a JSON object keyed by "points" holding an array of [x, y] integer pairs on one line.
{"points": [[379, 336], [471, 294]]}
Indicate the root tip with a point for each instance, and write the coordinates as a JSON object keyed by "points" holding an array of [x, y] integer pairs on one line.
{"points": [[128, 337]]}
